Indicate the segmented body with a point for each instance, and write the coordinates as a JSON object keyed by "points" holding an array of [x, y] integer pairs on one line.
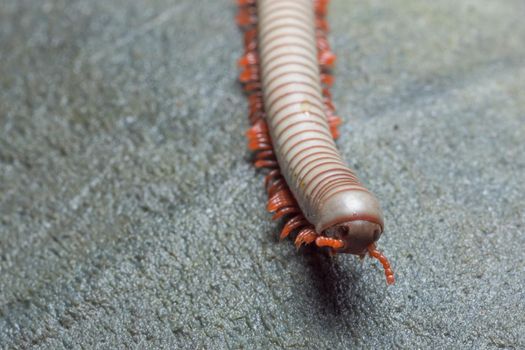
{"points": [[286, 75]]}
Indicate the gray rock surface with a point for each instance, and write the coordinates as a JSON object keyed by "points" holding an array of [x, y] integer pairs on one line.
{"points": [[130, 216]]}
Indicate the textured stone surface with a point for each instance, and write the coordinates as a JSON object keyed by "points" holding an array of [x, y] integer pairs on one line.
{"points": [[130, 215]]}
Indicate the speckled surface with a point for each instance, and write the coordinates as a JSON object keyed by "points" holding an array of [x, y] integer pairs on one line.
{"points": [[130, 216]]}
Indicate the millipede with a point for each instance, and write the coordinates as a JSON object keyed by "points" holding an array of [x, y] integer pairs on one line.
{"points": [[286, 74]]}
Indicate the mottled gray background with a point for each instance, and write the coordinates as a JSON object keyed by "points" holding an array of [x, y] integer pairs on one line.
{"points": [[130, 216]]}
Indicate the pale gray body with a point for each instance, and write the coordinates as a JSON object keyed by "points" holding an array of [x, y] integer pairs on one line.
{"points": [[327, 191]]}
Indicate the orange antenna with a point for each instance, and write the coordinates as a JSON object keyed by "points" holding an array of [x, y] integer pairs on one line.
{"points": [[333, 243], [389, 274]]}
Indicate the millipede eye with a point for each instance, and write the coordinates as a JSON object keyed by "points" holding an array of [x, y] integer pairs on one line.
{"points": [[343, 231], [377, 234]]}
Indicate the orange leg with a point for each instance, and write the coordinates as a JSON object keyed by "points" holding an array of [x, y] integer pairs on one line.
{"points": [[275, 187], [265, 155], [306, 236], [272, 164], [292, 224], [285, 211], [272, 176]]}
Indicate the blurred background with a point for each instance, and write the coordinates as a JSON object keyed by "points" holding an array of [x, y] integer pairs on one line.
{"points": [[131, 217]]}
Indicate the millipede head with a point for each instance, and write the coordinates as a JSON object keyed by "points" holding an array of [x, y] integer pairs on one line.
{"points": [[354, 217], [356, 235]]}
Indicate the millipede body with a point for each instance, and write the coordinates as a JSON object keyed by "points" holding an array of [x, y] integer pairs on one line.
{"points": [[286, 75]]}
